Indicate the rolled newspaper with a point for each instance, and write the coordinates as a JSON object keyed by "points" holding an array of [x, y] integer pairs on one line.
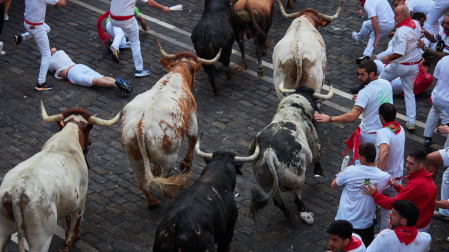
{"points": [[176, 7], [344, 163]]}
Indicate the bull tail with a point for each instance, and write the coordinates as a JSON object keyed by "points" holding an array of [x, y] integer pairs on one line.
{"points": [[253, 18], [159, 183], [258, 201], [12, 211]]}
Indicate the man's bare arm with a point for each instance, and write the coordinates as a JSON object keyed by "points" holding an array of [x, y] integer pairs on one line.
{"points": [[383, 156]]}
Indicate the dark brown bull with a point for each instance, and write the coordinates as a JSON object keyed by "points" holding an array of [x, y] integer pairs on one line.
{"points": [[253, 18]]}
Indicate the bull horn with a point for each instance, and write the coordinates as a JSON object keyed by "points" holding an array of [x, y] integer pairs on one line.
{"points": [[199, 153], [210, 62], [105, 123], [163, 53], [293, 15], [285, 91], [330, 18], [324, 97], [250, 158], [50, 119]]}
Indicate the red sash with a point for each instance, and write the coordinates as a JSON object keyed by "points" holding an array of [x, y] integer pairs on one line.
{"points": [[407, 22], [363, 3], [28, 22], [104, 37], [353, 142], [393, 126], [67, 74], [121, 18], [353, 244], [406, 234]]}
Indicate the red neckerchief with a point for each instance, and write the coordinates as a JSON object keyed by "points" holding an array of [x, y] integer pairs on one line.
{"points": [[104, 37], [447, 33], [423, 172], [353, 244], [353, 142], [363, 3], [407, 22], [406, 234], [393, 126]]}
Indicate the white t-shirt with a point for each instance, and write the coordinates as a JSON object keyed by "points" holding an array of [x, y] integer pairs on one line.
{"points": [[35, 10], [381, 9], [58, 62], [440, 94], [423, 6], [376, 93], [124, 7], [441, 36], [355, 207], [396, 145], [405, 43], [388, 241]]}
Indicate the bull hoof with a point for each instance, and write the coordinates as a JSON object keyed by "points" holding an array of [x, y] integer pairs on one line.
{"points": [[185, 166], [244, 66], [152, 204], [307, 217], [319, 172], [260, 73], [64, 249]]}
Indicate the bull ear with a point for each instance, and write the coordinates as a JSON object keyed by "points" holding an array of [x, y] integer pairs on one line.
{"points": [[165, 63]]}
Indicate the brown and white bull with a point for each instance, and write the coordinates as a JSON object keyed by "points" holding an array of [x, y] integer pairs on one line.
{"points": [[155, 122], [253, 18], [287, 146], [49, 186], [299, 58]]}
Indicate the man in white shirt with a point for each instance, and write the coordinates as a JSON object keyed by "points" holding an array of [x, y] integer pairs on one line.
{"points": [[440, 100], [36, 28], [122, 15], [403, 235], [439, 8], [368, 100], [442, 35], [390, 144], [380, 23], [423, 6], [355, 207], [405, 59], [342, 238], [63, 67], [434, 160]]}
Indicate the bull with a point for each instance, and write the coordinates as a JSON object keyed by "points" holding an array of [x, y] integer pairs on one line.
{"points": [[214, 31], [299, 57], [287, 145], [49, 186], [206, 213], [155, 122], [253, 18]]}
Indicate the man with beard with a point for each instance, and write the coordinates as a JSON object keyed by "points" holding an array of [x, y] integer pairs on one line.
{"points": [[368, 100], [402, 235]]}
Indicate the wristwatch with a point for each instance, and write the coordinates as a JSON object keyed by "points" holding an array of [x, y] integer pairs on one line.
{"points": [[425, 48]]}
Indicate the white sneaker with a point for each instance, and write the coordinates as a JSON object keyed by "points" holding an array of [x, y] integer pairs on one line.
{"points": [[6, 17], [355, 37], [1, 44], [2, 52]]}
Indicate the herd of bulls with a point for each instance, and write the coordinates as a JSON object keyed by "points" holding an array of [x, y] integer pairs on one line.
{"points": [[52, 184]]}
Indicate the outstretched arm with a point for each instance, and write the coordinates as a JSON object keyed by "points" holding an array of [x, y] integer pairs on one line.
{"points": [[156, 5], [61, 3]]}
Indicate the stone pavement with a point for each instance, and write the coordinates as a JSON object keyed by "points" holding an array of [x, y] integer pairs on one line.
{"points": [[116, 217]]}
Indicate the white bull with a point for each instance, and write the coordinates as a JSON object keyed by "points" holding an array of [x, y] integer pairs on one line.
{"points": [[155, 122], [299, 58], [287, 145], [49, 186]]}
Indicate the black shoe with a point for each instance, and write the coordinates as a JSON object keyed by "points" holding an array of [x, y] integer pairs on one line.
{"points": [[17, 39], [359, 60], [114, 52], [356, 90]]}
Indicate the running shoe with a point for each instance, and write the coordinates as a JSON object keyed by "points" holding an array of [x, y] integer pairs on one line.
{"points": [[142, 73], [123, 85], [114, 52], [355, 37], [43, 87], [17, 39]]}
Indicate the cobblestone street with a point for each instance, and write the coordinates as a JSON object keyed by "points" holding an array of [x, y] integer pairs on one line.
{"points": [[116, 216]]}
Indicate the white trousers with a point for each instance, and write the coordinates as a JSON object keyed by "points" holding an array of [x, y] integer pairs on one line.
{"points": [[432, 24], [445, 191], [131, 30], [118, 36], [432, 121], [82, 75], [367, 28], [390, 192], [39, 33], [408, 75]]}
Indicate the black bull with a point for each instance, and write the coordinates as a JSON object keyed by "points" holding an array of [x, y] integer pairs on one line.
{"points": [[204, 214], [214, 31]]}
